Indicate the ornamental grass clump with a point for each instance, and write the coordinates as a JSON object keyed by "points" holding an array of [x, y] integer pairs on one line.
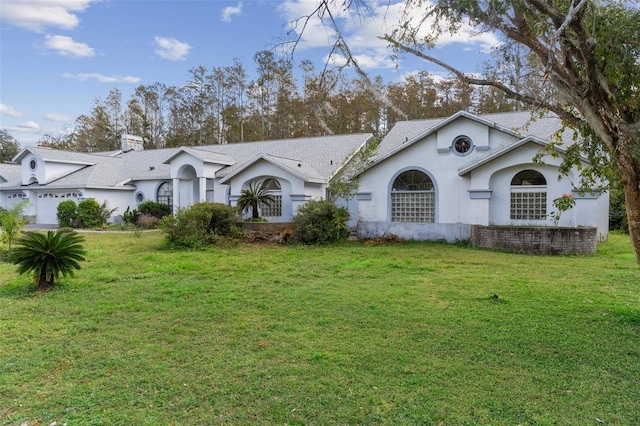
{"points": [[48, 255]]}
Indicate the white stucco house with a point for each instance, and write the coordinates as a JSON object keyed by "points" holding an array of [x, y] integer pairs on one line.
{"points": [[429, 179], [297, 170], [433, 179]]}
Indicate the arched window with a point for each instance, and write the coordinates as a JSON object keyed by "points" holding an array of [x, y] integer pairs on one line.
{"points": [[165, 194], [528, 196], [275, 190], [413, 198]]}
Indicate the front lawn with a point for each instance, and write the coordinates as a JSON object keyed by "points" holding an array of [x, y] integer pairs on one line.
{"points": [[417, 333]]}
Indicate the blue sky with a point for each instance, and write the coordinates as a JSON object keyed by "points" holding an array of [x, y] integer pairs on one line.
{"points": [[58, 56]]}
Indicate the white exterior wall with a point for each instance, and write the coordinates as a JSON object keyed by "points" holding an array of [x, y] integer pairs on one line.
{"points": [[8, 199], [118, 199], [452, 200], [149, 190], [220, 192]]}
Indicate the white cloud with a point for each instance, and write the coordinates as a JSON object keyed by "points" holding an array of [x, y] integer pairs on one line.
{"points": [[362, 31], [101, 78], [8, 110], [65, 46], [230, 11], [28, 126], [172, 49], [54, 116], [36, 15]]}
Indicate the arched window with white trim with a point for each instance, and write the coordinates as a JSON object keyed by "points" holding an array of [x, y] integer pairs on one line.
{"points": [[164, 194], [413, 198], [274, 189], [528, 196]]}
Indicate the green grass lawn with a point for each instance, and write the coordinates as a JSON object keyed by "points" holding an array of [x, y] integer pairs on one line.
{"points": [[410, 334]]}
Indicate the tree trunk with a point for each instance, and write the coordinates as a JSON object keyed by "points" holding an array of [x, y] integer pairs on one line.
{"points": [[43, 283], [630, 176]]}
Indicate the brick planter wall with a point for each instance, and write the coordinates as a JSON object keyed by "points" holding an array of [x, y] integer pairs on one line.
{"points": [[267, 227], [536, 240]]}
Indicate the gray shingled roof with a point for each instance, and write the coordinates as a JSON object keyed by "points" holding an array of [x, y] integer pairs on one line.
{"points": [[142, 165], [105, 172], [324, 154], [10, 172], [319, 159]]}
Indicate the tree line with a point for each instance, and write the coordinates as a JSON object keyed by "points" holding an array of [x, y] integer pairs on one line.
{"points": [[222, 105]]}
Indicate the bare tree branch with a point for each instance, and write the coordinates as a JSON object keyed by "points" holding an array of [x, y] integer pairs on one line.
{"points": [[536, 102]]}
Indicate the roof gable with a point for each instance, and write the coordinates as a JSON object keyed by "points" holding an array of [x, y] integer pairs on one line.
{"points": [[517, 126], [203, 155], [50, 155], [298, 168]]}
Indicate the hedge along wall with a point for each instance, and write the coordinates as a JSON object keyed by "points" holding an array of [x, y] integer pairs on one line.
{"points": [[536, 240]]}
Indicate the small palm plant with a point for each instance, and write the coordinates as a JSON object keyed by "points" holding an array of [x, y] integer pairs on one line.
{"points": [[11, 222], [252, 197], [48, 255]]}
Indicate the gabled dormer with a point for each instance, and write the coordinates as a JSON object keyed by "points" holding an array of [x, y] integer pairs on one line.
{"points": [[43, 165], [462, 133]]}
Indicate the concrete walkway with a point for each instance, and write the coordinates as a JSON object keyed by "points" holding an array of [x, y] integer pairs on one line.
{"points": [[39, 227]]}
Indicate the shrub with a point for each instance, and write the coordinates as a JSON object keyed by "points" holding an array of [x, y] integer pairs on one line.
{"points": [[90, 214], [321, 222], [130, 216], [198, 225], [151, 208], [66, 213]]}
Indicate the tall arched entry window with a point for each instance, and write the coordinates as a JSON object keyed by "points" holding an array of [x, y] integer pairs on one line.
{"points": [[274, 189], [413, 198], [528, 196], [164, 195]]}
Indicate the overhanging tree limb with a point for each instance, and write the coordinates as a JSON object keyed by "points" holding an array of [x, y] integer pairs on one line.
{"points": [[510, 93]]}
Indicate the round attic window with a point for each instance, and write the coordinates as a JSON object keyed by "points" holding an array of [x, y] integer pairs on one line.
{"points": [[462, 145], [139, 197], [33, 164]]}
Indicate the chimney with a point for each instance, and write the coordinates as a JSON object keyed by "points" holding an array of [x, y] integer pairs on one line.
{"points": [[131, 143]]}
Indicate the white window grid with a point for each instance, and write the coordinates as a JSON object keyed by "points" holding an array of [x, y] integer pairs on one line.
{"points": [[413, 206], [528, 205], [274, 209]]}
